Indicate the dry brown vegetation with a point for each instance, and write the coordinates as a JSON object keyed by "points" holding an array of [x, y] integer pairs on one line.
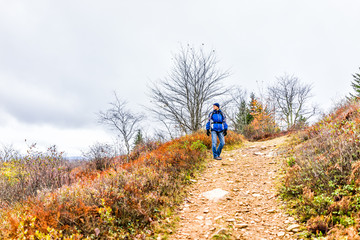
{"points": [[321, 182], [122, 202]]}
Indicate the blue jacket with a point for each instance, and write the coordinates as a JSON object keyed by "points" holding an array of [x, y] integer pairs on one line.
{"points": [[217, 121]]}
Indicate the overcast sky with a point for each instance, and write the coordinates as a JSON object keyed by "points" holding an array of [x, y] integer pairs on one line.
{"points": [[60, 61]]}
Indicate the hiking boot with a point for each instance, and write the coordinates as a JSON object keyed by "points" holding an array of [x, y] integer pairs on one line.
{"points": [[218, 158]]}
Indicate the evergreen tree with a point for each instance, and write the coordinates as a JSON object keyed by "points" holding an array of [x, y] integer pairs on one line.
{"points": [[239, 110], [139, 139], [242, 117], [356, 86]]}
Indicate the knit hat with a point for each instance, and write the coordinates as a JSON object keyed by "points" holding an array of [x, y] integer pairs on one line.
{"points": [[216, 104]]}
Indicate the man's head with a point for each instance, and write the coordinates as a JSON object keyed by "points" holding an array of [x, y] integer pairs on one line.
{"points": [[216, 106]]}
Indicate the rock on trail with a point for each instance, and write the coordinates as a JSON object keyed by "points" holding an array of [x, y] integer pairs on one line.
{"points": [[215, 195], [236, 197]]}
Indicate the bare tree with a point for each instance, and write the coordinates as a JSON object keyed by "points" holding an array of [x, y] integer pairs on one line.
{"points": [[290, 99], [100, 155], [181, 99], [118, 117], [8, 153]]}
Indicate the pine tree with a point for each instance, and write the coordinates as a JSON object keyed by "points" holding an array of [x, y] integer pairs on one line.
{"points": [[356, 86], [139, 139], [242, 117]]}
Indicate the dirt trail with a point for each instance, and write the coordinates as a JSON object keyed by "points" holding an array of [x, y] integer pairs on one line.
{"points": [[250, 210]]}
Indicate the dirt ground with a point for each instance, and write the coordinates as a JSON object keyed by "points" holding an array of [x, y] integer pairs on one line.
{"points": [[251, 209]]}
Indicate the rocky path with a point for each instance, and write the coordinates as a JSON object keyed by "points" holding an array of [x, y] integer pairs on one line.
{"points": [[236, 198]]}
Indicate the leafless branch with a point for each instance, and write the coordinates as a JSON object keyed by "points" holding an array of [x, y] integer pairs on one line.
{"points": [[290, 98], [118, 117], [182, 97]]}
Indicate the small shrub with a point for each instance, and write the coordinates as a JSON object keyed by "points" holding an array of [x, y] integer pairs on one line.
{"points": [[100, 156], [318, 224], [341, 233], [37, 171], [143, 148]]}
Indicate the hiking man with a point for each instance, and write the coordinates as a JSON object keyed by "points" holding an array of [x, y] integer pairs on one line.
{"points": [[217, 127]]}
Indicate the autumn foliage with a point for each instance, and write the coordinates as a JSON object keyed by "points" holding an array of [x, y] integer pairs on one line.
{"points": [[322, 180], [122, 202], [263, 124]]}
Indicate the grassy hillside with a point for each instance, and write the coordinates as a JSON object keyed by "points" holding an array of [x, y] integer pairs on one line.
{"points": [[128, 201], [321, 183]]}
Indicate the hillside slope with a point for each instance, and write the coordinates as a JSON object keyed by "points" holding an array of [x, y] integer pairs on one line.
{"points": [[322, 184], [125, 201]]}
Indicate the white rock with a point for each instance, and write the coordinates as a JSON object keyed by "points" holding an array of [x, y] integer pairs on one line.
{"points": [[258, 153], [200, 217], [221, 231], [241, 225], [208, 222], [215, 195], [293, 228], [281, 234], [271, 211], [230, 220]]}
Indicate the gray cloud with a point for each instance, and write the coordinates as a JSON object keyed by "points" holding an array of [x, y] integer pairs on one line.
{"points": [[60, 61]]}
